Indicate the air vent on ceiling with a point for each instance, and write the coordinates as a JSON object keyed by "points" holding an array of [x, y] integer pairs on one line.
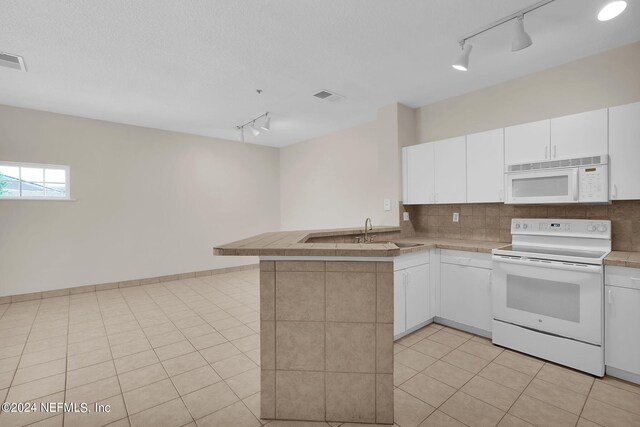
{"points": [[12, 61], [329, 96]]}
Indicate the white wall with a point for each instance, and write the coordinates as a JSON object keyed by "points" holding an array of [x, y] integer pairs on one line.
{"points": [[148, 202], [340, 179]]}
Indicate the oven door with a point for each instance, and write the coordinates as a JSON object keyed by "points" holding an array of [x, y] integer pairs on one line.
{"points": [[550, 296], [548, 186]]}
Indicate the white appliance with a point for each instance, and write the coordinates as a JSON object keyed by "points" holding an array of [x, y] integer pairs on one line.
{"points": [[548, 288], [583, 180]]}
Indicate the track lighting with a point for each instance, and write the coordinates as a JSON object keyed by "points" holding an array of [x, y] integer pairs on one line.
{"points": [[521, 40], [251, 124], [462, 62], [267, 123], [611, 10]]}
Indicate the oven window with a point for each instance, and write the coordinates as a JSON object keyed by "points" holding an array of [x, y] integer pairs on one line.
{"points": [[545, 297], [540, 186]]}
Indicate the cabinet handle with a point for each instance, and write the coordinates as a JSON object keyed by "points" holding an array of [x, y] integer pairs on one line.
{"points": [[575, 185], [555, 151], [546, 150], [436, 198], [615, 192], [500, 195], [609, 296]]}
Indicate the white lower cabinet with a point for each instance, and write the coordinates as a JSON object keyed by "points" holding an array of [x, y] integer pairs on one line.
{"points": [[465, 289], [622, 322], [411, 292]]}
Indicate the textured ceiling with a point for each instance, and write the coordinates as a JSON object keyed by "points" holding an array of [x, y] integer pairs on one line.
{"points": [[193, 66]]}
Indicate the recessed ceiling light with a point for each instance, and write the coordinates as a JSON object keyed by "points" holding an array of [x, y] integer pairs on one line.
{"points": [[611, 10]]}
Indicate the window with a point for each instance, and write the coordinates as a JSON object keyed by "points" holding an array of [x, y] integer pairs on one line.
{"points": [[33, 181]]}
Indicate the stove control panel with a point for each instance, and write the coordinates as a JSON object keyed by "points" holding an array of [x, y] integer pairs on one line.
{"points": [[564, 227]]}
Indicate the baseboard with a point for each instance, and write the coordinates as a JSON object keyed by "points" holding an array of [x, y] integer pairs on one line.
{"points": [[622, 374], [462, 327], [124, 284]]}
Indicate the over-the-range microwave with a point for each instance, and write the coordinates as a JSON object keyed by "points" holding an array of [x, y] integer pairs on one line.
{"points": [[583, 180]]}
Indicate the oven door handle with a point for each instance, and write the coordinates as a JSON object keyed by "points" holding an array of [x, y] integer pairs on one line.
{"points": [[554, 265]]}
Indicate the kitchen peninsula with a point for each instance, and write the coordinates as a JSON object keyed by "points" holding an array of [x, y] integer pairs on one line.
{"points": [[327, 313]]}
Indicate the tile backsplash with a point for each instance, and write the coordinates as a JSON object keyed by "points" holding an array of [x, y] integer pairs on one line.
{"points": [[492, 221]]}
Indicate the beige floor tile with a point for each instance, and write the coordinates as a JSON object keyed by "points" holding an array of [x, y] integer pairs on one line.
{"points": [[247, 343], [471, 411], [506, 376], [34, 389], [209, 399], [466, 361], [481, 350], [87, 359], [174, 350], [5, 379], [184, 363], [557, 396], [10, 419], [236, 332], [237, 415], [170, 414], [402, 373], [141, 377], [254, 355], [447, 338], [94, 392], [232, 366], [617, 397], [497, 395], [455, 331], [583, 422], [32, 359], [87, 345], [428, 389], [565, 377], [9, 364], [149, 396], [208, 340], [519, 362], [90, 374], [432, 348], [55, 421], [131, 348], [440, 419], [510, 421], [135, 361], [253, 403], [414, 359], [219, 352], [409, 340], [408, 410], [448, 374], [540, 413], [246, 383], [166, 338], [615, 382]]}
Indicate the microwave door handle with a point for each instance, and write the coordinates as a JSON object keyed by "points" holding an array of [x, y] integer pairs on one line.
{"points": [[575, 185]]}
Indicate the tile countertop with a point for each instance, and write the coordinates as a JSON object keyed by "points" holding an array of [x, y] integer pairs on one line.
{"points": [[623, 259], [292, 243]]}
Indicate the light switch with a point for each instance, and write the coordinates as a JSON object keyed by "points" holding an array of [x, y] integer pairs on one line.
{"points": [[387, 204], [456, 217], [405, 216]]}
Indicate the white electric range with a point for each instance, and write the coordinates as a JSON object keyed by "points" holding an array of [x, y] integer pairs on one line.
{"points": [[548, 290]]}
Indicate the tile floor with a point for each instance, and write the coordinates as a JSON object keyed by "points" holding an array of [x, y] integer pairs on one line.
{"points": [[187, 353]]}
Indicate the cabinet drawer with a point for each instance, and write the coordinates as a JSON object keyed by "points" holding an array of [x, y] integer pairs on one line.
{"points": [[622, 276], [410, 260], [472, 259]]}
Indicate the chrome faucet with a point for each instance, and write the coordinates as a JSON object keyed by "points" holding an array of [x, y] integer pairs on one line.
{"points": [[367, 239]]}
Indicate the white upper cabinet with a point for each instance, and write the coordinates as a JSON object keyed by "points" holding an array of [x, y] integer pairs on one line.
{"points": [[450, 170], [624, 151], [485, 166], [527, 143], [418, 174], [579, 135]]}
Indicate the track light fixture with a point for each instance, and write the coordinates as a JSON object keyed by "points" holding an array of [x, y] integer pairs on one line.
{"points": [[251, 124], [521, 39]]}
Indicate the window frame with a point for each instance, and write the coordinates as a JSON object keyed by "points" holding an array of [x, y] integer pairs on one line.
{"points": [[67, 170]]}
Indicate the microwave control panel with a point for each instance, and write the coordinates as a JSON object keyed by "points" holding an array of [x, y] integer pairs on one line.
{"points": [[593, 183]]}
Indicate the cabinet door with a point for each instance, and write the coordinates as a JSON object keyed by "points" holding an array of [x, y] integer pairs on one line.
{"points": [[451, 170], [579, 135], [624, 151], [465, 295], [526, 143], [621, 332], [399, 282], [418, 183], [485, 167], [417, 295]]}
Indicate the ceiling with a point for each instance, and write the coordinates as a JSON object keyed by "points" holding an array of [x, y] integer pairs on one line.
{"points": [[194, 66]]}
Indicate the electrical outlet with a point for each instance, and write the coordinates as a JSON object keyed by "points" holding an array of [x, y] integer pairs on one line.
{"points": [[456, 217], [405, 216], [387, 204]]}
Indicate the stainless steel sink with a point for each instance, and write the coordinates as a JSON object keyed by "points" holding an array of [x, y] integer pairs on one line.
{"points": [[406, 244]]}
